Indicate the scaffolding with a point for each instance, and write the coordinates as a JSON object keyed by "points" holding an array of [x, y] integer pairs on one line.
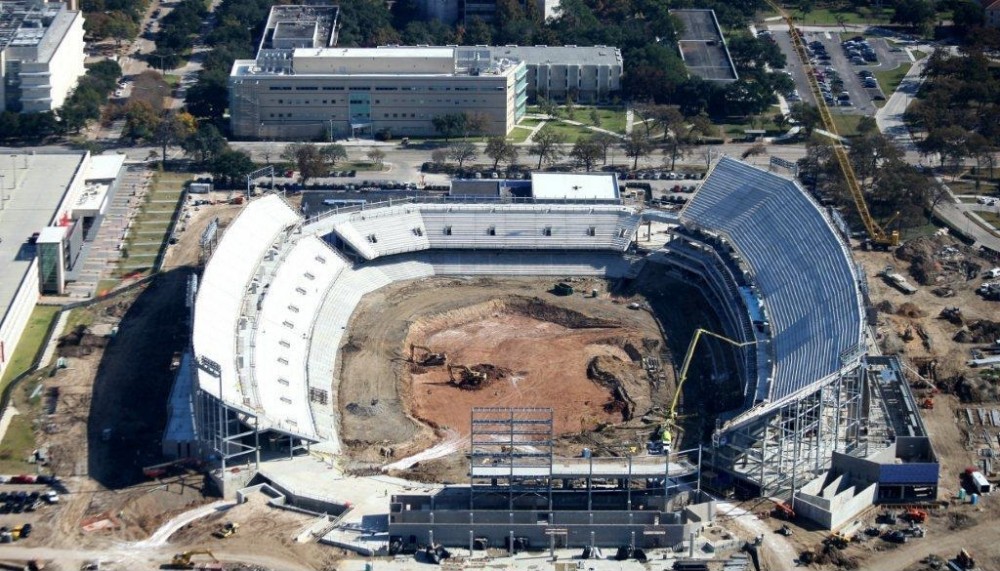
{"points": [[518, 440], [778, 452]]}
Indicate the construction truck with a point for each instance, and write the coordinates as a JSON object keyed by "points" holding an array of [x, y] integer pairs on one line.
{"points": [[227, 529], [186, 560], [915, 515], [927, 404], [897, 280], [467, 377], [427, 358]]}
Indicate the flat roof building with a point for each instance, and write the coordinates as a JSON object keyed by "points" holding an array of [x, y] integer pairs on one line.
{"points": [[50, 205], [41, 54], [587, 74], [324, 92]]}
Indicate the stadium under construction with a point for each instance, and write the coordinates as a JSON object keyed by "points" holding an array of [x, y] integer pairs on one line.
{"points": [[823, 420]]}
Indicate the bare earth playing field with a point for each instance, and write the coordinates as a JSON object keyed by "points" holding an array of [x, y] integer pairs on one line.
{"points": [[536, 346]]}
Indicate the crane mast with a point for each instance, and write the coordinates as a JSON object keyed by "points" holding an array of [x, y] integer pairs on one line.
{"points": [[875, 232]]}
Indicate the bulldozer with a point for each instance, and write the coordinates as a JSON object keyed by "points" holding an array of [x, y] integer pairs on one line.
{"points": [[838, 540], [467, 377], [427, 357], [227, 529], [186, 560]]}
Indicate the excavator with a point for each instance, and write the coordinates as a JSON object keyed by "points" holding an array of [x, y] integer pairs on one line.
{"points": [[467, 377], [665, 433], [878, 237], [427, 357], [186, 560]]}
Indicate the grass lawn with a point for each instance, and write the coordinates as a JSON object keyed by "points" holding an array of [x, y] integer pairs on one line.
{"points": [[571, 132], [847, 125], [18, 443], [30, 342], [890, 79], [610, 119], [828, 17], [519, 135], [991, 217]]}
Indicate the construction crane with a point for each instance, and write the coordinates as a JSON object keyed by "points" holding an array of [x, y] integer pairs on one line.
{"points": [[876, 234], [665, 434], [185, 560]]}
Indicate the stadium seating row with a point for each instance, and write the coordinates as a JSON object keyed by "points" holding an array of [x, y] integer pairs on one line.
{"points": [[801, 267], [416, 227]]}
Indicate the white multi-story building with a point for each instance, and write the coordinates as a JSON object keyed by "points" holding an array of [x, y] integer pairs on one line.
{"points": [[587, 74], [302, 87], [41, 54]]}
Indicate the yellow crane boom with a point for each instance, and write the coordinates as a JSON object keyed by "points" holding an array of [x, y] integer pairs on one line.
{"points": [[875, 232], [666, 436]]}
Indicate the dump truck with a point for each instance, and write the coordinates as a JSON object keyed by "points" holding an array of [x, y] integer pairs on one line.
{"points": [[897, 281]]}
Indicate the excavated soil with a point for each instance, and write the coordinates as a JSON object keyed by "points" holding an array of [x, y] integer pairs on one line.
{"points": [[534, 346], [531, 353]]}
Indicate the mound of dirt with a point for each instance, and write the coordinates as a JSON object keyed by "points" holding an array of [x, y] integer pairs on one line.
{"points": [[980, 331], [537, 308], [369, 410], [910, 310], [627, 385], [80, 342], [939, 259], [971, 389]]}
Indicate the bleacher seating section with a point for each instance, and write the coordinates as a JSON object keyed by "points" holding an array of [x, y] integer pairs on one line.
{"points": [[803, 270], [284, 331], [223, 288], [416, 227]]}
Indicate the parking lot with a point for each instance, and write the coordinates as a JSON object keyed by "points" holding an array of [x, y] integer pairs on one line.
{"points": [[838, 71], [24, 507]]}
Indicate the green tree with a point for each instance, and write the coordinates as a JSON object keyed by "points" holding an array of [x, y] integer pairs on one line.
{"points": [[500, 150], [333, 154], [636, 147], [914, 13], [376, 156], [141, 120], [807, 116], [547, 146], [173, 129], [205, 144], [449, 125], [586, 153], [230, 165]]}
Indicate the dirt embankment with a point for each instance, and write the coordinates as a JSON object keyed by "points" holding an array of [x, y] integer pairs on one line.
{"points": [[533, 347]]}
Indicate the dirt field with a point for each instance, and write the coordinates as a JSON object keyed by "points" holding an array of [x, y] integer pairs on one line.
{"points": [[543, 358]]}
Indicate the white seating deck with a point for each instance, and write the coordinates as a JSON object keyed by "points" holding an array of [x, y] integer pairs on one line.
{"points": [[283, 331], [223, 288], [804, 272], [383, 231]]}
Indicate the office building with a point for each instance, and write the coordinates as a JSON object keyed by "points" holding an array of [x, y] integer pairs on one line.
{"points": [[587, 74], [41, 54], [328, 93]]}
